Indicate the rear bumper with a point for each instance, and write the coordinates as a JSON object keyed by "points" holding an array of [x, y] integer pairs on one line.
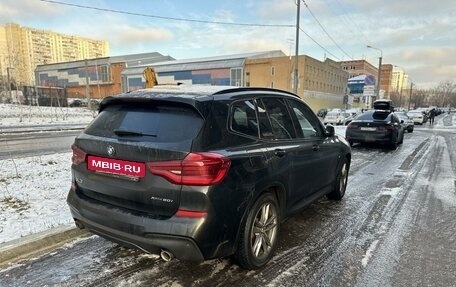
{"points": [[132, 230], [381, 138]]}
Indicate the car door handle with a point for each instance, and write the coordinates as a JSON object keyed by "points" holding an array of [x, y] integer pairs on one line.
{"points": [[315, 147], [279, 152]]}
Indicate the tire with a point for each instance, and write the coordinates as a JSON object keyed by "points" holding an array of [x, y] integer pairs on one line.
{"points": [[394, 142], [259, 235], [393, 145], [410, 130], [340, 185]]}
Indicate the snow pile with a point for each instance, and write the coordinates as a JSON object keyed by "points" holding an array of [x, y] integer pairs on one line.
{"points": [[21, 115], [33, 194]]}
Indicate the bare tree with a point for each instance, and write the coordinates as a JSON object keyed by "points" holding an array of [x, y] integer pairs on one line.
{"points": [[445, 93]]}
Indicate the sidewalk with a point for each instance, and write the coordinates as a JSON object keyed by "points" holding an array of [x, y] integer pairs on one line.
{"points": [[37, 243], [41, 128]]}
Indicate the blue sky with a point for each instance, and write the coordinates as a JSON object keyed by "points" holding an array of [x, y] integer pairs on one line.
{"points": [[418, 36]]}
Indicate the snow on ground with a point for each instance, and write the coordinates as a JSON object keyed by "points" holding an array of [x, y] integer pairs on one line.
{"points": [[22, 115], [33, 194], [33, 190]]}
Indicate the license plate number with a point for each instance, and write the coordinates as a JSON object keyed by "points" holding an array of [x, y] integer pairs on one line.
{"points": [[368, 129], [116, 166]]}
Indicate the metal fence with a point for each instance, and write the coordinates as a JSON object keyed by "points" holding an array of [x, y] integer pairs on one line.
{"points": [[45, 96]]}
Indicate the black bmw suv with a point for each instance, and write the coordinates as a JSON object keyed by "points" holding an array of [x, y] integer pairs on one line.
{"points": [[198, 172]]}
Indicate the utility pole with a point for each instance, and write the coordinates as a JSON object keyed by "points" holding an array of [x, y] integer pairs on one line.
{"points": [[379, 69], [87, 90], [379, 75], [410, 95], [296, 72]]}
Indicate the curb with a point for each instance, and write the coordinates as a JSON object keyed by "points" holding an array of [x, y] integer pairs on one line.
{"points": [[37, 130], [37, 243]]}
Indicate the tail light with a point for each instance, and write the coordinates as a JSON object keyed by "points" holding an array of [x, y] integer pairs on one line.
{"points": [[79, 156], [194, 169], [385, 128], [352, 126]]}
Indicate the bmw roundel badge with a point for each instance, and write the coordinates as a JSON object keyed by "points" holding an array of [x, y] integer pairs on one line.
{"points": [[111, 150]]}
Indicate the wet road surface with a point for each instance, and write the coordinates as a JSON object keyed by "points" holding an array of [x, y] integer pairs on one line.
{"points": [[17, 145], [395, 227]]}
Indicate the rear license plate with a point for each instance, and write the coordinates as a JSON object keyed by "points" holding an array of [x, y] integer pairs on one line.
{"points": [[368, 129], [116, 166]]}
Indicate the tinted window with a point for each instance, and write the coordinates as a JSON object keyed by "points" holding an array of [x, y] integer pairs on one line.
{"points": [[282, 126], [244, 119], [369, 116], [307, 125], [155, 123], [265, 124]]}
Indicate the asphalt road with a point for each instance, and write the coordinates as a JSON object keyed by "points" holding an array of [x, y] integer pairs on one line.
{"points": [[395, 227], [15, 145]]}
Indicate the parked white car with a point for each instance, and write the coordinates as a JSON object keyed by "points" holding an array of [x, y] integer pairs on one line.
{"points": [[416, 116], [337, 118]]}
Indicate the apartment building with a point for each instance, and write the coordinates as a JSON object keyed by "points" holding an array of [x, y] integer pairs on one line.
{"points": [[399, 80], [321, 84], [359, 67], [386, 80], [23, 48]]}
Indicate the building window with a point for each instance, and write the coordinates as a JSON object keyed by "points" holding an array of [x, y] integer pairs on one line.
{"points": [[104, 74], [272, 71], [236, 77], [272, 85]]}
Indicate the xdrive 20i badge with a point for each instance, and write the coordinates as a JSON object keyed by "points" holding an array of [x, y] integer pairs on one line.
{"points": [[111, 150]]}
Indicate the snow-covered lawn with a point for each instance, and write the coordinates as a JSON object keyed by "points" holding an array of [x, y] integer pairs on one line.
{"points": [[33, 191], [21, 115]]}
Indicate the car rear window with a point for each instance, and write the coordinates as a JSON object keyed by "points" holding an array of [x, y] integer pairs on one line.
{"points": [[377, 116], [158, 123]]}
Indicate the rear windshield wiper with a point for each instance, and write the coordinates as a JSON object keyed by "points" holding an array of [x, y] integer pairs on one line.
{"points": [[120, 133]]}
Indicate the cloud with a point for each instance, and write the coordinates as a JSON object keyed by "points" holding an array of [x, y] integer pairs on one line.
{"points": [[125, 35], [12, 11], [277, 10], [404, 9], [427, 66]]}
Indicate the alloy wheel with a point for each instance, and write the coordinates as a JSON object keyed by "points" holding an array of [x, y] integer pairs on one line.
{"points": [[264, 230]]}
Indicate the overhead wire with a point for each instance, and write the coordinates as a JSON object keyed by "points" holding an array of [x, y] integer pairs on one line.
{"points": [[188, 20], [346, 16], [315, 41], [167, 18], [326, 32]]}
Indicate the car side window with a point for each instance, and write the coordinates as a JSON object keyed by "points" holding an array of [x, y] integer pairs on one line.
{"points": [[281, 123], [244, 119], [307, 124]]}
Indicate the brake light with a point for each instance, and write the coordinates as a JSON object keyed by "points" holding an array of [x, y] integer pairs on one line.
{"points": [[79, 156], [352, 126], [194, 169], [385, 128]]}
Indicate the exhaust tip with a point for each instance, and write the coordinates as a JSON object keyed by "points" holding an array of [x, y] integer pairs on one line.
{"points": [[166, 255], [79, 224]]}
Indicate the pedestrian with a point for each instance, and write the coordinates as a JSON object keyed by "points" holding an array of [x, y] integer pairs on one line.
{"points": [[431, 116]]}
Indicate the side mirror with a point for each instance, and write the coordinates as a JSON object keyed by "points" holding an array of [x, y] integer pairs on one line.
{"points": [[330, 132]]}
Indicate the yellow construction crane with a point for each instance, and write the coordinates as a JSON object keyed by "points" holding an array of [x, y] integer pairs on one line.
{"points": [[151, 77]]}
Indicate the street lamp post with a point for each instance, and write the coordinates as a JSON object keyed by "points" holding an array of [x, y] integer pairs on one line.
{"points": [[296, 71], [379, 69]]}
